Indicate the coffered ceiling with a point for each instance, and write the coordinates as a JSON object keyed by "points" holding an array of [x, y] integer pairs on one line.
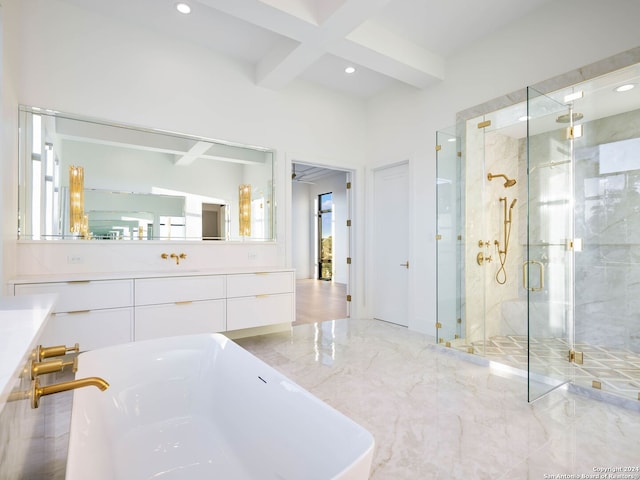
{"points": [[387, 41]]}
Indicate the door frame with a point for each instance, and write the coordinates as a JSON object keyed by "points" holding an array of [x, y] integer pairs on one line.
{"points": [[353, 245]]}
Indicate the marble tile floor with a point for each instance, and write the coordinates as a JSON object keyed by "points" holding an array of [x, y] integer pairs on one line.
{"points": [[615, 370], [436, 416]]}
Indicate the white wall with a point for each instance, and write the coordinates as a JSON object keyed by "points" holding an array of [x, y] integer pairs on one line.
{"points": [[69, 59], [302, 233], [401, 123], [59, 56]]}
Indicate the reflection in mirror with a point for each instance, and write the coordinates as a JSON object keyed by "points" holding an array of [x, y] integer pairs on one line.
{"points": [[139, 184]]}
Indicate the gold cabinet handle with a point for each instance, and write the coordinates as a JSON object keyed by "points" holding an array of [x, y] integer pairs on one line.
{"points": [[405, 264]]}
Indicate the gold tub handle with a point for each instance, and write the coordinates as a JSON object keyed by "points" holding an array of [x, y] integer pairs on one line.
{"points": [[525, 284]]}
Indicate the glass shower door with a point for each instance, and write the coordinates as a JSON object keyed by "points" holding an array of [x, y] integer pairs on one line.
{"points": [[547, 270], [449, 267]]}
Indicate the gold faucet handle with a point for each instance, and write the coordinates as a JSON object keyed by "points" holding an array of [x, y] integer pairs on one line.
{"points": [[164, 256], [183, 256], [71, 363], [57, 351], [52, 366], [48, 366]]}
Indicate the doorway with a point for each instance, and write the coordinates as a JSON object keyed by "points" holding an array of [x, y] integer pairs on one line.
{"points": [[213, 221], [321, 216]]}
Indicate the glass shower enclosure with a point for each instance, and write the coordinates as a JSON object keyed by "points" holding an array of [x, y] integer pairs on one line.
{"points": [[538, 236]]}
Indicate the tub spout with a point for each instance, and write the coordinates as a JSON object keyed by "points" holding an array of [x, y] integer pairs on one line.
{"points": [[37, 391]]}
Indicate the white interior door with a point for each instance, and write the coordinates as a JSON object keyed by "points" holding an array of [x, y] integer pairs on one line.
{"points": [[391, 244]]}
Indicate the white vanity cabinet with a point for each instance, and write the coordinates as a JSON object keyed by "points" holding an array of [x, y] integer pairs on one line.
{"points": [[92, 313], [112, 308], [179, 306], [259, 299]]}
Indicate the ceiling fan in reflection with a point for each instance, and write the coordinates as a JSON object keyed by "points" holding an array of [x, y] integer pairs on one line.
{"points": [[298, 178]]}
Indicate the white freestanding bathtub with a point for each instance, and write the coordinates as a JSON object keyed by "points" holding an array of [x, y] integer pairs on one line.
{"points": [[201, 407]]}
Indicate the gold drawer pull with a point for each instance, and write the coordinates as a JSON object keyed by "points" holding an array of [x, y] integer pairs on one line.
{"points": [[186, 302], [264, 295], [73, 282], [77, 311]]}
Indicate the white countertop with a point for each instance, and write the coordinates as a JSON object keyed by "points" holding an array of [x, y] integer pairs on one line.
{"points": [[22, 319], [177, 272]]}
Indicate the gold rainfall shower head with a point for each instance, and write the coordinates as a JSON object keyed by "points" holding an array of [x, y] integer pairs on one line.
{"points": [[575, 116], [509, 182]]}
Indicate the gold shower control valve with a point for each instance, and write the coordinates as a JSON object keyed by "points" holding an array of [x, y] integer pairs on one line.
{"points": [[481, 258]]}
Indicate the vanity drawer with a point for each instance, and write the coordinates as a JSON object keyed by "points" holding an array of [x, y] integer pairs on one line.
{"points": [[153, 291], [91, 329], [154, 321], [244, 285], [84, 295], [259, 310]]}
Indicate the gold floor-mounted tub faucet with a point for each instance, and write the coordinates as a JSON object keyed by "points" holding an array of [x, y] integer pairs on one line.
{"points": [[37, 391]]}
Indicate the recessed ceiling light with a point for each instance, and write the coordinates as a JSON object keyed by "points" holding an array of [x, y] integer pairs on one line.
{"points": [[524, 118], [350, 70], [451, 139], [625, 88], [183, 8]]}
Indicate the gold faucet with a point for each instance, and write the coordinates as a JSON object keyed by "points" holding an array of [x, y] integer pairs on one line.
{"points": [[57, 351], [178, 257], [37, 391], [51, 366]]}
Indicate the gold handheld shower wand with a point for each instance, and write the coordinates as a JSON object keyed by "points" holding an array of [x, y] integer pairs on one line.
{"points": [[501, 274]]}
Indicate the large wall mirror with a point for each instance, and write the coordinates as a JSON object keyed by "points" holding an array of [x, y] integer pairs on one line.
{"points": [[85, 179]]}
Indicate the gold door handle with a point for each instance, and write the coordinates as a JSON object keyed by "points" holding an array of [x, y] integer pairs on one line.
{"points": [[525, 283], [406, 264]]}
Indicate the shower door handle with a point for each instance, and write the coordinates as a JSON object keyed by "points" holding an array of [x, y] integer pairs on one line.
{"points": [[525, 283]]}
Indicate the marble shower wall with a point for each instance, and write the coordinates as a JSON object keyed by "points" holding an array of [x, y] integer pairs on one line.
{"points": [[501, 156], [486, 299], [607, 218]]}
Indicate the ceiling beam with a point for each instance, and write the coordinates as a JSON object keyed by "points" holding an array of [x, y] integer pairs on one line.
{"points": [[380, 50], [338, 27], [193, 154]]}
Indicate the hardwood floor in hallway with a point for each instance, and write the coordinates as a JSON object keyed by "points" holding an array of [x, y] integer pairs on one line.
{"points": [[319, 300]]}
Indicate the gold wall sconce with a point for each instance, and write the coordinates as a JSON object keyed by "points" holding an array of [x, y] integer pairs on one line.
{"points": [[245, 210], [78, 221]]}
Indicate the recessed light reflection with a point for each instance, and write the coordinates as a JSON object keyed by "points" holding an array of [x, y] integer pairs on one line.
{"points": [[451, 139], [183, 8], [350, 70], [625, 88]]}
